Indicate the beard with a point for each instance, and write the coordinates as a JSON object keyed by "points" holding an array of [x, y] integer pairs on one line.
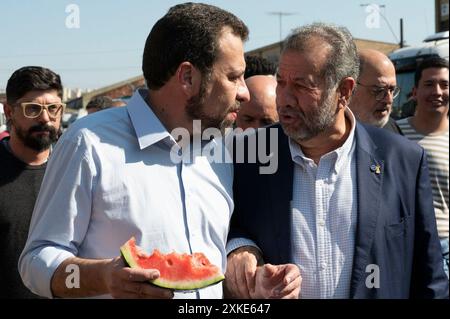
{"points": [[380, 122], [40, 142], [196, 110], [313, 123]]}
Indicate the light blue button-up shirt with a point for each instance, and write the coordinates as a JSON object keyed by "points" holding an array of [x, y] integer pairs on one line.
{"points": [[324, 216], [110, 177]]}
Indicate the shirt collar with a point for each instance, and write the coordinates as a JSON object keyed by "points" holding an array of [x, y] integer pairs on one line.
{"points": [[149, 129], [340, 155]]}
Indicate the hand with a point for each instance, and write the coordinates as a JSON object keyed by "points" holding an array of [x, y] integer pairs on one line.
{"points": [[240, 273], [125, 282], [277, 281]]}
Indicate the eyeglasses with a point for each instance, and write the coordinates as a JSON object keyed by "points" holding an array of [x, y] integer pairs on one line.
{"points": [[33, 110], [380, 92]]}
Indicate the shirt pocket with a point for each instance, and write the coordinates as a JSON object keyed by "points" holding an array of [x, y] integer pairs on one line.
{"points": [[398, 229]]}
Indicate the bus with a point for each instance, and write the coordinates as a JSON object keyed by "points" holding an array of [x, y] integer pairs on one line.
{"points": [[406, 60]]}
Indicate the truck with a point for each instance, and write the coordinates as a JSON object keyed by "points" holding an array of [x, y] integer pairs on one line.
{"points": [[2, 119], [406, 61]]}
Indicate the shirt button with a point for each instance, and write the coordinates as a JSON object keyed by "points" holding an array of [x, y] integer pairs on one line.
{"points": [[321, 223], [323, 266]]}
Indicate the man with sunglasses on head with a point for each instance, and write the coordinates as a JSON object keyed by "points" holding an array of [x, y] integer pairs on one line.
{"points": [[33, 111], [375, 91]]}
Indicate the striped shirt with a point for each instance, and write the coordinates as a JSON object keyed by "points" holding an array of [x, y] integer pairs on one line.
{"points": [[436, 147]]}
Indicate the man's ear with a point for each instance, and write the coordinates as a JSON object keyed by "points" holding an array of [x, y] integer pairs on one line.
{"points": [[414, 93], [189, 78], [345, 91], [8, 110]]}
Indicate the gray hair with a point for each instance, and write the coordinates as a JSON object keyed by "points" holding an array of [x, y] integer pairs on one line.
{"points": [[343, 58]]}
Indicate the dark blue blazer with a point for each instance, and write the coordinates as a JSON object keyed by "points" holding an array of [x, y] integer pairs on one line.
{"points": [[396, 226]]}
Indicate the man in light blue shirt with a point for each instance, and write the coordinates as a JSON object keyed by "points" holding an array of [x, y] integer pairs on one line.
{"points": [[113, 174]]}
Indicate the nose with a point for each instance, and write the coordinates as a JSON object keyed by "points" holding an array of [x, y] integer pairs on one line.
{"points": [[44, 117], [437, 89], [243, 95], [284, 96], [388, 97]]}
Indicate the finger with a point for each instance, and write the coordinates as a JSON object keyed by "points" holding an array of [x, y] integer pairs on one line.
{"points": [[132, 295], [230, 278], [283, 291], [270, 270], [124, 295], [266, 281], [291, 272], [241, 281], [131, 274], [294, 294], [145, 290], [149, 291], [250, 278], [291, 275]]}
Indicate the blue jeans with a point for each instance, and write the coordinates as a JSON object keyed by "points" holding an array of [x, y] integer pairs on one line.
{"points": [[444, 246]]}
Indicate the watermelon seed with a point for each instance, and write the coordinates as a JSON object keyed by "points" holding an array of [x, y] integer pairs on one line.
{"points": [[169, 262]]}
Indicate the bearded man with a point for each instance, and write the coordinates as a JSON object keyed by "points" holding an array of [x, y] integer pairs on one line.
{"points": [[33, 110], [350, 204], [123, 181]]}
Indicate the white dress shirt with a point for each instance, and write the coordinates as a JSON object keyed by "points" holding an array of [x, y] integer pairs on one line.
{"points": [[111, 177]]}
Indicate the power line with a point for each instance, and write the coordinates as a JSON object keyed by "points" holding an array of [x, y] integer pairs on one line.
{"points": [[84, 69], [67, 53], [378, 6]]}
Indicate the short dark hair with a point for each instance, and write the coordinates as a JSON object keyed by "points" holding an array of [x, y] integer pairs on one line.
{"points": [[257, 65], [188, 32], [32, 78], [100, 102], [434, 62]]}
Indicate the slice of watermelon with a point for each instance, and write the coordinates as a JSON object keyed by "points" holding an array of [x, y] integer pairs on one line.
{"points": [[177, 271]]}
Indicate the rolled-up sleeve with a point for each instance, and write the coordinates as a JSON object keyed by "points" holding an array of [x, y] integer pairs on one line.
{"points": [[61, 214], [236, 243]]}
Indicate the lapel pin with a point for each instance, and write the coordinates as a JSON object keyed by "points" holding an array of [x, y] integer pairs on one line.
{"points": [[375, 168]]}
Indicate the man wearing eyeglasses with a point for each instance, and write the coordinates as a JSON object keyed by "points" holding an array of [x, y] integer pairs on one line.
{"points": [[375, 91], [33, 111]]}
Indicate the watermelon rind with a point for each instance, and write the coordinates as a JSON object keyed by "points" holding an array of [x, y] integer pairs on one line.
{"points": [[182, 286], [126, 254], [188, 285]]}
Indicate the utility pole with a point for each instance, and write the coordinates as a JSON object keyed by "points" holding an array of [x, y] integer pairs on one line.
{"points": [[400, 42], [280, 15]]}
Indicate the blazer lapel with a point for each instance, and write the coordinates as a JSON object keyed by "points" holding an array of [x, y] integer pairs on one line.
{"points": [[280, 185], [369, 182]]}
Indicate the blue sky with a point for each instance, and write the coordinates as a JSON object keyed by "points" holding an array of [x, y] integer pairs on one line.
{"points": [[107, 46]]}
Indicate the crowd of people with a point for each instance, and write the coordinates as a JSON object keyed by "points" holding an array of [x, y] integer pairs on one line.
{"points": [[357, 208]]}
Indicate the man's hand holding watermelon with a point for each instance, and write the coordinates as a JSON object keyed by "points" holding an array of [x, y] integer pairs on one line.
{"points": [[125, 282], [108, 276]]}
